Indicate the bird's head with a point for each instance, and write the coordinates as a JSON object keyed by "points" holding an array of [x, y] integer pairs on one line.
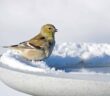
{"points": [[48, 30]]}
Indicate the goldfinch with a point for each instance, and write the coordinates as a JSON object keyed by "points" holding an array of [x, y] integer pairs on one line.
{"points": [[39, 47]]}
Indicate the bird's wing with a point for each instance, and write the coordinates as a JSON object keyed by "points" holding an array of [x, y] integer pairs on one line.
{"points": [[38, 41], [25, 45]]}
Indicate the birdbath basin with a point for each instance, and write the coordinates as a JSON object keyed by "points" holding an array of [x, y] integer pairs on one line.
{"points": [[62, 84]]}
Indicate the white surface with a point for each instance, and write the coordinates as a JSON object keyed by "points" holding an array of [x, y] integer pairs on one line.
{"points": [[6, 91], [85, 64], [49, 85]]}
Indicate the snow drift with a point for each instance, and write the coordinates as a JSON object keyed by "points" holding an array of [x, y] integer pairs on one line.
{"points": [[66, 57]]}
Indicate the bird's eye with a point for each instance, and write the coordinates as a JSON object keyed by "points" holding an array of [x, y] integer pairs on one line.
{"points": [[50, 28]]}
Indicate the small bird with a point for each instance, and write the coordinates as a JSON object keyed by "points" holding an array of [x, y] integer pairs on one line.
{"points": [[39, 47]]}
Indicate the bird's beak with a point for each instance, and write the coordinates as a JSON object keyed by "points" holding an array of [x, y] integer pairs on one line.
{"points": [[56, 30]]}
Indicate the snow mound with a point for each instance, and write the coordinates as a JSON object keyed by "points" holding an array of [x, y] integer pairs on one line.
{"points": [[68, 57], [80, 55]]}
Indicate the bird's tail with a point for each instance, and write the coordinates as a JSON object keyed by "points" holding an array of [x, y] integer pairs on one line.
{"points": [[12, 46], [5, 46]]}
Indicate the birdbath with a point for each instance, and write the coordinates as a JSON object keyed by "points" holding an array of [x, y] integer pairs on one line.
{"points": [[49, 84], [45, 81]]}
